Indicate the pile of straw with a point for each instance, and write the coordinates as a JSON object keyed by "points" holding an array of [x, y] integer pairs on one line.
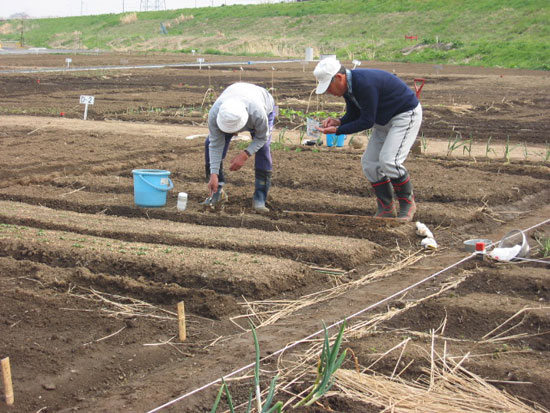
{"points": [[448, 388]]}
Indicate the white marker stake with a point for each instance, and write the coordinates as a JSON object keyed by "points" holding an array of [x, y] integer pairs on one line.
{"points": [[68, 60], [8, 387], [86, 100], [181, 321]]}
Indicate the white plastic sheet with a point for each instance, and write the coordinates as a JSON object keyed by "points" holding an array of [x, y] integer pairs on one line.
{"points": [[505, 254]]}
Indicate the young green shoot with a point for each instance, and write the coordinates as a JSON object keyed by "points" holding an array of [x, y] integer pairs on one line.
{"points": [[424, 143], [508, 150], [488, 148], [280, 143], [467, 147], [544, 245], [454, 144], [525, 151], [329, 362], [261, 407], [546, 155]]}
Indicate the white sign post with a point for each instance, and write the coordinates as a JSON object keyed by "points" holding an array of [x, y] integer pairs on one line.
{"points": [[86, 100], [200, 61], [356, 63], [68, 60]]}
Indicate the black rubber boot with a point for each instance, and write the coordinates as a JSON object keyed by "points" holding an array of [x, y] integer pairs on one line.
{"points": [[262, 184], [404, 191], [384, 199]]}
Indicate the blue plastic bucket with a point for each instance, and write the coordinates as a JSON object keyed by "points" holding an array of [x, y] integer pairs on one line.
{"points": [[151, 187], [335, 140]]}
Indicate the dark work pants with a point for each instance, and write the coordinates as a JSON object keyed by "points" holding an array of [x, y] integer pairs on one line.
{"points": [[262, 158]]}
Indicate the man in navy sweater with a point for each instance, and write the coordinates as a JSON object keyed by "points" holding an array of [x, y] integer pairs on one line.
{"points": [[379, 100]]}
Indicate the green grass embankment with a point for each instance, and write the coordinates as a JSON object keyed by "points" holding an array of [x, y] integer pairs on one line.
{"points": [[496, 33]]}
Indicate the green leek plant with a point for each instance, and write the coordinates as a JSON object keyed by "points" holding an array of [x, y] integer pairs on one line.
{"points": [[467, 147], [264, 407], [454, 144], [525, 151], [424, 143], [544, 245], [488, 148], [508, 150], [546, 155], [329, 362], [280, 143]]}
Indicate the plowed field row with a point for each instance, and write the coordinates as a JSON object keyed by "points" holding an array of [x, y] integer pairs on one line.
{"points": [[89, 282]]}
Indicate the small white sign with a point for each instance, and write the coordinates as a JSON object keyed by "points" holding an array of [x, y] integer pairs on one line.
{"points": [[68, 61], [86, 100], [200, 61]]}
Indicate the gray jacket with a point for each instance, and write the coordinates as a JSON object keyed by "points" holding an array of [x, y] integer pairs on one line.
{"points": [[259, 104]]}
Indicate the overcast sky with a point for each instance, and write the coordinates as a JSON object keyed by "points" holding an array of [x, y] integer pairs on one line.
{"points": [[62, 8]]}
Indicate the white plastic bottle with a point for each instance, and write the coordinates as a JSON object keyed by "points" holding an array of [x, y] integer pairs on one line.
{"points": [[182, 201]]}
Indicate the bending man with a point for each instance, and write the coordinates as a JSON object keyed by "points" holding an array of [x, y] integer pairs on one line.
{"points": [[379, 100], [240, 107]]}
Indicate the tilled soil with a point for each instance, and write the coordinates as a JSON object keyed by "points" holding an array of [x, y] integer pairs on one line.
{"points": [[90, 282]]}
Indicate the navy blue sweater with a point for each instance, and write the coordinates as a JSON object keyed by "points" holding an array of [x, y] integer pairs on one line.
{"points": [[380, 96]]}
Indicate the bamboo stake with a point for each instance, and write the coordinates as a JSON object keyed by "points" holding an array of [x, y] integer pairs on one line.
{"points": [[8, 387], [181, 321]]}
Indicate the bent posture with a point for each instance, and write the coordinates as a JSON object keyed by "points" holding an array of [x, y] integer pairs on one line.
{"points": [[379, 100], [241, 107]]}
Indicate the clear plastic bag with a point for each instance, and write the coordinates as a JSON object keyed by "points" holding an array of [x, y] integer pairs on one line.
{"points": [[312, 126]]}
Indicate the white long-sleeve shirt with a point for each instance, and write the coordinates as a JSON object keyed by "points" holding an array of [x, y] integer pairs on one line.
{"points": [[259, 104]]}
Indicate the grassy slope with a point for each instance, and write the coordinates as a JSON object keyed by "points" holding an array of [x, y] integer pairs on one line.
{"points": [[505, 33]]}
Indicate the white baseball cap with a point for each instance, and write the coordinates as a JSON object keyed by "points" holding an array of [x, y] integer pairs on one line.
{"points": [[324, 72], [232, 116]]}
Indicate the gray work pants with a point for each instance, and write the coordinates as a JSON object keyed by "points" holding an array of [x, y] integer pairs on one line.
{"points": [[389, 146]]}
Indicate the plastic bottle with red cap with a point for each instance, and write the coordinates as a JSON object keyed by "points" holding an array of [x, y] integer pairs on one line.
{"points": [[480, 250]]}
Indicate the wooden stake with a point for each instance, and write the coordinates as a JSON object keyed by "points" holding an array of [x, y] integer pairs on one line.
{"points": [[6, 374], [181, 321]]}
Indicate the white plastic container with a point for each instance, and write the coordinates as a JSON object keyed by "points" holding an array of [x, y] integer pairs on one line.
{"points": [[513, 238], [182, 201]]}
